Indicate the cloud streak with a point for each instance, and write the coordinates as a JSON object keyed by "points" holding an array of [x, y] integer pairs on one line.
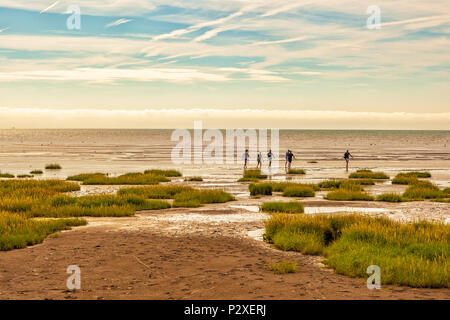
{"points": [[118, 22]]}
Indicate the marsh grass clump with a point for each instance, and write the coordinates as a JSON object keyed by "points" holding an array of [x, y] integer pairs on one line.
{"points": [[17, 231], [446, 191], [264, 189], [330, 184], [156, 192], [193, 179], [184, 196], [164, 173], [368, 174], [126, 179], [23, 176], [254, 173], [296, 171], [281, 186], [345, 184], [299, 191], [36, 172], [197, 198], [6, 175], [36, 187], [412, 254], [403, 178], [84, 176], [423, 190], [419, 174], [350, 185], [348, 195], [248, 180], [282, 267], [53, 166], [282, 207], [390, 197]]}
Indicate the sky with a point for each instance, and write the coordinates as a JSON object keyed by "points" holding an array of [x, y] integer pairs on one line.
{"points": [[254, 63]]}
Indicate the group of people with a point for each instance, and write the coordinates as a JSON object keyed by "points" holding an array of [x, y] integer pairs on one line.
{"points": [[289, 156]]}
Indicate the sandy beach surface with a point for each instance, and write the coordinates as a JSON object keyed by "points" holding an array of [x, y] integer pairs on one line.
{"points": [[212, 252]]}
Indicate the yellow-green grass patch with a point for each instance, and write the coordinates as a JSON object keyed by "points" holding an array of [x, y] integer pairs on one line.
{"points": [[413, 254], [53, 166], [17, 231], [193, 179], [282, 267], [282, 207], [298, 191], [368, 174], [164, 173], [296, 171], [348, 195], [390, 197]]}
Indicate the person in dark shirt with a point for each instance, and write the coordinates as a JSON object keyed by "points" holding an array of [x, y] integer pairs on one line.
{"points": [[347, 156], [290, 156]]}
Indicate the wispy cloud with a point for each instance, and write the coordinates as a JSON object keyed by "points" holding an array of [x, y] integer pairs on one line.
{"points": [[50, 7], [282, 41], [109, 75], [118, 22], [440, 19]]}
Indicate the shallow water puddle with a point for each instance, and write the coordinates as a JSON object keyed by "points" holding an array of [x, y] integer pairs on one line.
{"points": [[256, 234], [248, 208], [210, 218], [314, 210]]}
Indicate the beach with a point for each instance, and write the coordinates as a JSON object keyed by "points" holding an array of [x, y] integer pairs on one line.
{"points": [[215, 251]]}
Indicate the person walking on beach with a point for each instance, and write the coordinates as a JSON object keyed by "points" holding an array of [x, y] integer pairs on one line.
{"points": [[269, 157], [290, 157], [286, 159], [347, 156], [259, 160], [246, 156]]}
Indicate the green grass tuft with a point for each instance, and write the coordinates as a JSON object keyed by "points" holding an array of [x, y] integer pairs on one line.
{"points": [[298, 191], [156, 192], [6, 175], [254, 173], [423, 190], [296, 171], [22, 176], [164, 173], [126, 179], [282, 267], [260, 189], [402, 178], [36, 172], [193, 179], [368, 174], [18, 232], [413, 254], [283, 207], [53, 166], [197, 198], [390, 197], [85, 176], [348, 195]]}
